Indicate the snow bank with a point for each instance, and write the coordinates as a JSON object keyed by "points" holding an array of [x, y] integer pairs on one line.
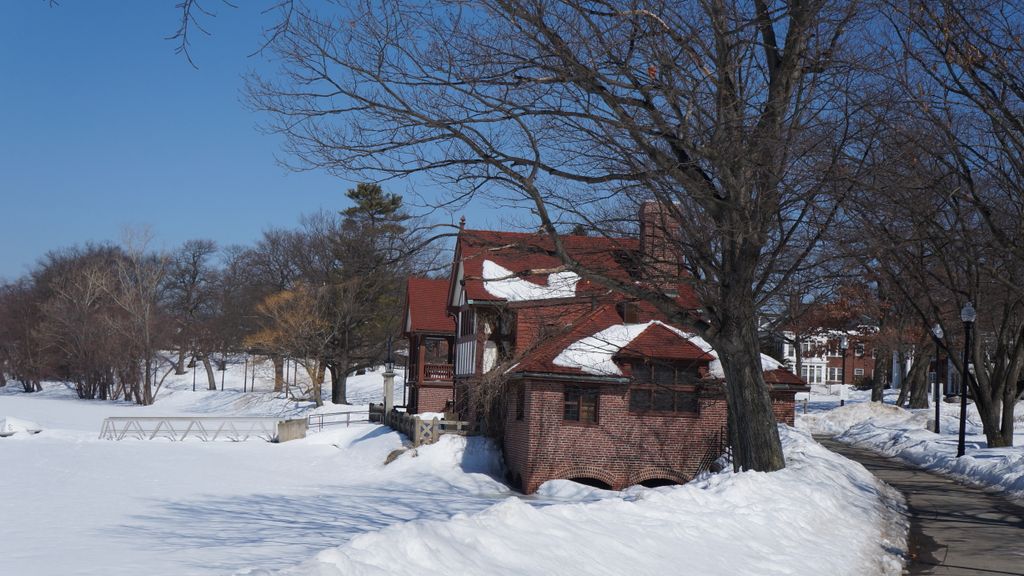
{"points": [[903, 434], [823, 514], [502, 282], [10, 426]]}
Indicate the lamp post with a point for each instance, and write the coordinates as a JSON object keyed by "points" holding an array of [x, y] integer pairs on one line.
{"points": [[389, 380], [843, 345], [967, 316], [937, 335]]}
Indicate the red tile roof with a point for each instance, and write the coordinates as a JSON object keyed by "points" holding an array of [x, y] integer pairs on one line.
{"points": [[783, 376], [658, 341], [521, 252], [427, 303]]}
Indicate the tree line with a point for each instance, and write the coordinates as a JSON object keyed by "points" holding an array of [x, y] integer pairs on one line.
{"points": [[116, 320]]}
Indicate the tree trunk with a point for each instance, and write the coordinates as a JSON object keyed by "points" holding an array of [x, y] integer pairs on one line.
{"points": [[318, 385], [753, 431], [918, 380], [179, 366], [339, 384], [147, 385], [904, 379], [3, 379], [211, 379], [278, 361], [883, 362]]}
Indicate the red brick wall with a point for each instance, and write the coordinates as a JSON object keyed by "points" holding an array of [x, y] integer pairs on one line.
{"points": [[622, 449], [432, 398], [864, 361]]}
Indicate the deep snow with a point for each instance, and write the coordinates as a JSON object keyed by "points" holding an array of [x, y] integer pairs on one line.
{"points": [[904, 434], [75, 505]]}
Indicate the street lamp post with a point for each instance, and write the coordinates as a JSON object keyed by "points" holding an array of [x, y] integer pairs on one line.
{"points": [[967, 316], [843, 345], [389, 380], [937, 334]]}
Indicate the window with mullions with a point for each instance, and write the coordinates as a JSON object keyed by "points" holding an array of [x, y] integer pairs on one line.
{"points": [[663, 400], [580, 404], [664, 373], [467, 324]]}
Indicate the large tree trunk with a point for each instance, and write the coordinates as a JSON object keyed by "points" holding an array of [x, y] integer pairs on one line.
{"points": [[278, 361], [339, 384], [917, 380], [904, 378], [753, 431], [211, 378], [179, 366], [883, 362]]}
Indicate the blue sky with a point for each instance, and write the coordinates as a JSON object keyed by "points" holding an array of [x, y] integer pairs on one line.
{"points": [[103, 127]]}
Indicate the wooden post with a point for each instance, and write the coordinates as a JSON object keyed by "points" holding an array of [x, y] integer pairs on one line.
{"points": [[420, 358]]}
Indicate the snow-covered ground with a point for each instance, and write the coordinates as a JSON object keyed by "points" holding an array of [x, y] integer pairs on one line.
{"points": [[821, 515], [71, 504], [904, 434]]}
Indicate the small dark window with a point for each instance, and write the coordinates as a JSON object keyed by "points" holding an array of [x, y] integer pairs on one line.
{"points": [[687, 402], [640, 400], [580, 404], [859, 348], [664, 374], [663, 400], [466, 323]]}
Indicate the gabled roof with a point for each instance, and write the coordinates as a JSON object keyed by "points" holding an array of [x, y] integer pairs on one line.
{"points": [[518, 252], [508, 266], [596, 340], [660, 341], [591, 345], [426, 307]]}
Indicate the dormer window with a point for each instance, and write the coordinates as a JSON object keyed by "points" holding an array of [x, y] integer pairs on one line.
{"points": [[664, 373]]}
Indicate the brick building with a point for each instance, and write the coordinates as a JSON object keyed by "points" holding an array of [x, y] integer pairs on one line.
{"points": [[585, 383], [822, 358]]}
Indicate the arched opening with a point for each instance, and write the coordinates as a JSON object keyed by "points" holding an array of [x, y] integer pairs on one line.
{"points": [[593, 482], [658, 482]]}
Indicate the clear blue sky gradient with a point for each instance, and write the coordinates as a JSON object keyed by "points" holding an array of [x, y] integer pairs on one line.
{"points": [[103, 127]]}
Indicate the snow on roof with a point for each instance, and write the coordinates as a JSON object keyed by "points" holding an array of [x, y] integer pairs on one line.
{"points": [[767, 365], [595, 354], [503, 283]]}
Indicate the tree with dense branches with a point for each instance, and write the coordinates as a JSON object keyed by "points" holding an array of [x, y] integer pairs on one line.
{"points": [[735, 116]]}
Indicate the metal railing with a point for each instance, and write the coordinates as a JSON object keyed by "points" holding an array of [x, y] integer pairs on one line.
{"points": [[318, 422], [178, 428]]}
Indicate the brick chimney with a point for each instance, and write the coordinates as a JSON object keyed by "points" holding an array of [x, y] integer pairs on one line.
{"points": [[659, 244]]}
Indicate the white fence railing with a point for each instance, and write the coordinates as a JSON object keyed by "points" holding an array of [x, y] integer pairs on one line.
{"points": [[178, 428], [418, 431]]}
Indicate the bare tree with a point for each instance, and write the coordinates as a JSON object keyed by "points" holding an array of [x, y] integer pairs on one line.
{"points": [[138, 293], [189, 294], [735, 116]]}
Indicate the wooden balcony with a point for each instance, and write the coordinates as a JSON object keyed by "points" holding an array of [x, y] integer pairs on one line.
{"points": [[437, 373]]}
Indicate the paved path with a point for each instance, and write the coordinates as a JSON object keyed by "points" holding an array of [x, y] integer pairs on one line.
{"points": [[955, 530]]}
